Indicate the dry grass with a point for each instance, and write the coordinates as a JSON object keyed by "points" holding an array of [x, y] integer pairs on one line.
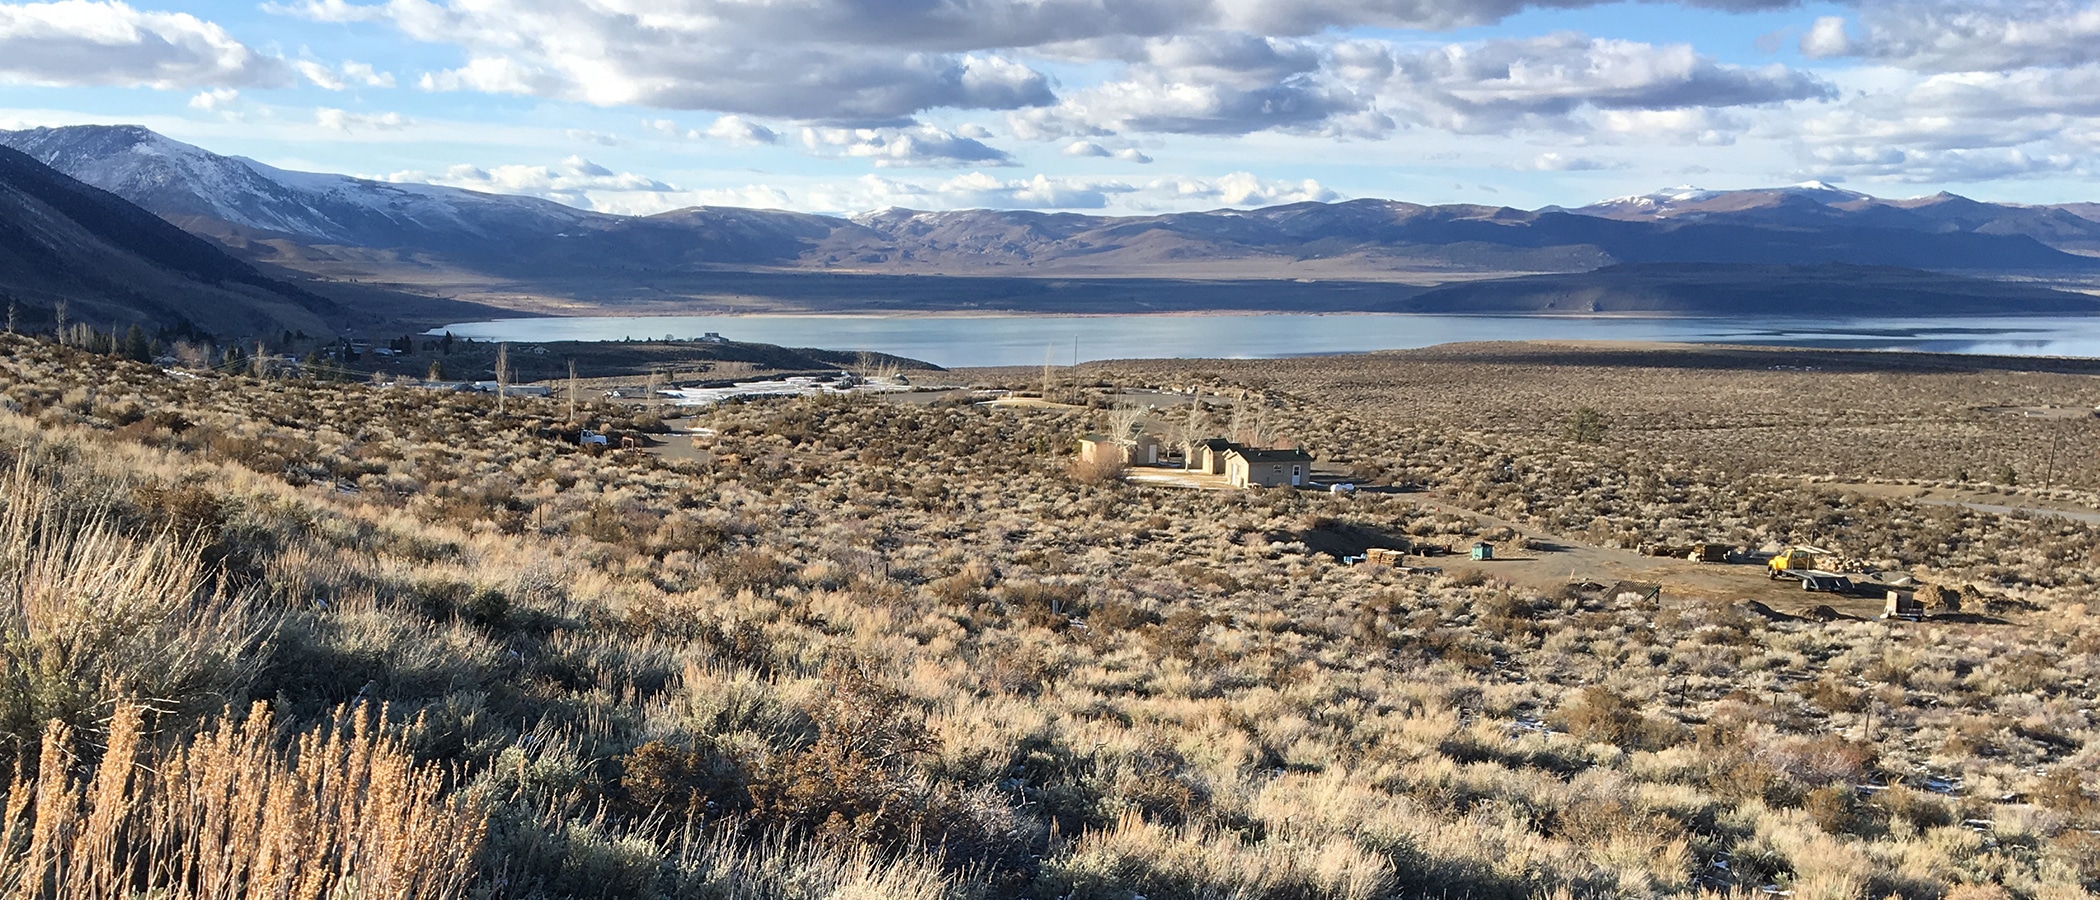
{"points": [[344, 810], [882, 650]]}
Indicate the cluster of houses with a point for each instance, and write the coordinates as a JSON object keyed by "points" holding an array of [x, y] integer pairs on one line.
{"points": [[1242, 466]]}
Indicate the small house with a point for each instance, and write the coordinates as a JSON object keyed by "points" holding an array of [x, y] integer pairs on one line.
{"points": [[1483, 551], [1248, 467], [1208, 456], [1142, 450]]}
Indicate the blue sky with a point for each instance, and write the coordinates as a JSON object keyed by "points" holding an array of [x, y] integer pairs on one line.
{"points": [[1103, 105]]}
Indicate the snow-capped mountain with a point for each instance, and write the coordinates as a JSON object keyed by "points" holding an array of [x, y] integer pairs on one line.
{"points": [[183, 182], [343, 227], [112, 263]]}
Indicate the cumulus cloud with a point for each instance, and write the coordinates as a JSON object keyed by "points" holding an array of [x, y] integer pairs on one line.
{"points": [[215, 100], [742, 132], [1697, 125], [1498, 86], [1363, 88], [1944, 166], [1090, 149], [1240, 189], [592, 137], [1826, 39], [106, 42], [918, 146], [1555, 161], [575, 181], [346, 121], [343, 76], [1969, 36], [865, 62]]}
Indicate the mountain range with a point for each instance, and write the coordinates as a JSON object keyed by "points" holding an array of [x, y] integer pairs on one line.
{"points": [[537, 255]]}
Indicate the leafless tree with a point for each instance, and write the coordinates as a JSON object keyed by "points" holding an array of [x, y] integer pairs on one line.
{"points": [[1191, 428], [1124, 422], [1049, 372], [502, 374]]}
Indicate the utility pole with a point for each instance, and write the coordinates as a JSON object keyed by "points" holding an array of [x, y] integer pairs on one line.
{"points": [[2055, 439], [572, 390]]}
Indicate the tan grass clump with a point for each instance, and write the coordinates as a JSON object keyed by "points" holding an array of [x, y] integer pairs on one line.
{"points": [[343, 811]]}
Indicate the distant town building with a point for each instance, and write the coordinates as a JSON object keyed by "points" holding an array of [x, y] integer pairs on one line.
{"points": [[1142, 450], [1248, 467]]}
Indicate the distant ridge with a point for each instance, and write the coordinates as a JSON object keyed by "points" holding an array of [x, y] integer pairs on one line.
{"points": [[344, 228], [114, 264], [1733, 290]]}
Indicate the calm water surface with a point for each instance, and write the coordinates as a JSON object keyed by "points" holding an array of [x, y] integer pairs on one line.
{"points": [[1027, 340]]}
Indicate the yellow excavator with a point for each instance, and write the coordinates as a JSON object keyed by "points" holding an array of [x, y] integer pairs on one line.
{"points": [[1794, 561]]}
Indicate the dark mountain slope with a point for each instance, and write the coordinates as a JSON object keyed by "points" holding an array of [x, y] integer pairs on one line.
{"points": [[115, 264]]}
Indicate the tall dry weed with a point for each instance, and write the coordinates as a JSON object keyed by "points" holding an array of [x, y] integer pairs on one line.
{"points": [[90, 612], [342, 810]]}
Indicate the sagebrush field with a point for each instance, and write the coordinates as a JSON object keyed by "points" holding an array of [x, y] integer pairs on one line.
{"points": [[280, 638]]}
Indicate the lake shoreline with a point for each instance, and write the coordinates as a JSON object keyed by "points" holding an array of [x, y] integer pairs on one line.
{"points": [[972, 341]]}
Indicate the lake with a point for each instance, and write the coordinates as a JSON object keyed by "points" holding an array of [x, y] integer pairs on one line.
{"points": [[1024, 340]]}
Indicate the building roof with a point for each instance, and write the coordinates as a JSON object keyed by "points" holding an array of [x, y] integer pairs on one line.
{"points": [[1271, 456], [1218, 444]]}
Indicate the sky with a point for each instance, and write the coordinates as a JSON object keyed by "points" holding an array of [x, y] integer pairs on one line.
{"points": [[1106, 106]]}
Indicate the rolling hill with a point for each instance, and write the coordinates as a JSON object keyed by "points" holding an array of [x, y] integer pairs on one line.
{"points": [[113, 264], [528, 253], [1732, 290]]}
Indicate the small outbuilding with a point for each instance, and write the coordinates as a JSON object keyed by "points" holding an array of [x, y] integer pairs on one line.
{"points": [[1208, 456], [1247, 467], [1142, 450], [1483, 551]]}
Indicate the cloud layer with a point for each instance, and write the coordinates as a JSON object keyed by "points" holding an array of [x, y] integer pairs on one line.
{"points": [[92, 42]]}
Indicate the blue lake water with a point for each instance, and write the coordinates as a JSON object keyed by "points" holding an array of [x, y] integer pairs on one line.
{"points": [[1026, 340]]}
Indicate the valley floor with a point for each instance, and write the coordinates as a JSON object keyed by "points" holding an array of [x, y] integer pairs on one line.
{"points": [[901, 646]]}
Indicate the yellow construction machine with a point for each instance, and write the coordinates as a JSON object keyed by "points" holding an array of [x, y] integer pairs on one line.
{"points": [[1794, 561]]}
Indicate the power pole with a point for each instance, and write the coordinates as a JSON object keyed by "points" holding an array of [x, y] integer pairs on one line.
{"points": [[1049, 351], [572, 390]]}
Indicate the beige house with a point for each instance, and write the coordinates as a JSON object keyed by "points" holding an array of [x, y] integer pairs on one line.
{"points": [[1208, 456], [1142, 450], [1247, 467]]}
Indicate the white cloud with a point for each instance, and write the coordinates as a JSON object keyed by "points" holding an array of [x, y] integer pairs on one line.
{"points": [[1691, 125], [1363, 88], [742, 132], [1240, 189], [106, 42], [575, 181], [1826, 38], [1555, 161], [917, 146], [1974, 35], [1500, 86], [215, 100], [346, 121], [328, 11], [1090, 149], [592, 137], [340, 77]]}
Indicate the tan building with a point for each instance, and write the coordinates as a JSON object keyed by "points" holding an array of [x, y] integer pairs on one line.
{"points": [[1208, 456], [1142, 450], [1247, 467]]}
